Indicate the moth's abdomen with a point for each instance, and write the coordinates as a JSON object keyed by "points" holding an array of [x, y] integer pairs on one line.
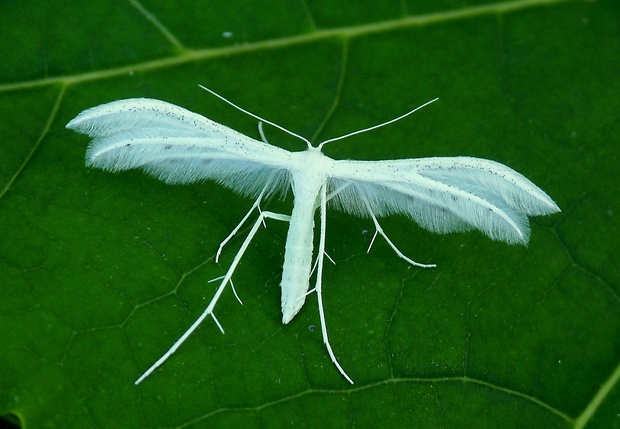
{"points": [[299, 246], [297, 259]]}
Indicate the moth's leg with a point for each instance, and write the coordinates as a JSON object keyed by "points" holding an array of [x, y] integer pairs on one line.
{"points": [[338, 190], [227, 278], [209, 310], [238, 227], [315, 264], [318, 287], [261, 132], [232, 286], [379, 230], [327, 198]]}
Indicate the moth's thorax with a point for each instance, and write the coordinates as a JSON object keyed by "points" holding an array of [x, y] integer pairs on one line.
{"points": [[310, 163]]}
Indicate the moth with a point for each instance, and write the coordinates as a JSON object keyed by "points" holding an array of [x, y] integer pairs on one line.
{"points": [[441, 194]]}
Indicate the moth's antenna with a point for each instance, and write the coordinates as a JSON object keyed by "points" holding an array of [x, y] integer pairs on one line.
{"points": [[377, 126], [256, 116]]}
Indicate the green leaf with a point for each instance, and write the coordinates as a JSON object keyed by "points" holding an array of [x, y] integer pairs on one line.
{"points": [[100, 273]]}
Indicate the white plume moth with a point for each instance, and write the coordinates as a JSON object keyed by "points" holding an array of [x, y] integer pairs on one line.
{"points": [[441, 194]]}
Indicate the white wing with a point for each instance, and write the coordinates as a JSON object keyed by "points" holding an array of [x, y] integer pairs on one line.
{"points": [[179, 146], [443, 194]]}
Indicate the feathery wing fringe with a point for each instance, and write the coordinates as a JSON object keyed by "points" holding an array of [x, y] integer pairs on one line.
{"points": [[179, 146], [444, 194]]}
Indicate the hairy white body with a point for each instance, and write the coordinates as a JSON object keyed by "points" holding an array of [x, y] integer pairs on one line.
{"points": [[441, 194], [299, 240]]}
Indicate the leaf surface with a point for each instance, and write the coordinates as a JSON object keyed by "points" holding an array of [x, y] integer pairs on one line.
{"points": [[100, 273]]}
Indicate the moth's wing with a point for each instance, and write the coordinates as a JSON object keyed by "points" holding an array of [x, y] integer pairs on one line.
{"points": [[178, 146], [443, 194]]}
